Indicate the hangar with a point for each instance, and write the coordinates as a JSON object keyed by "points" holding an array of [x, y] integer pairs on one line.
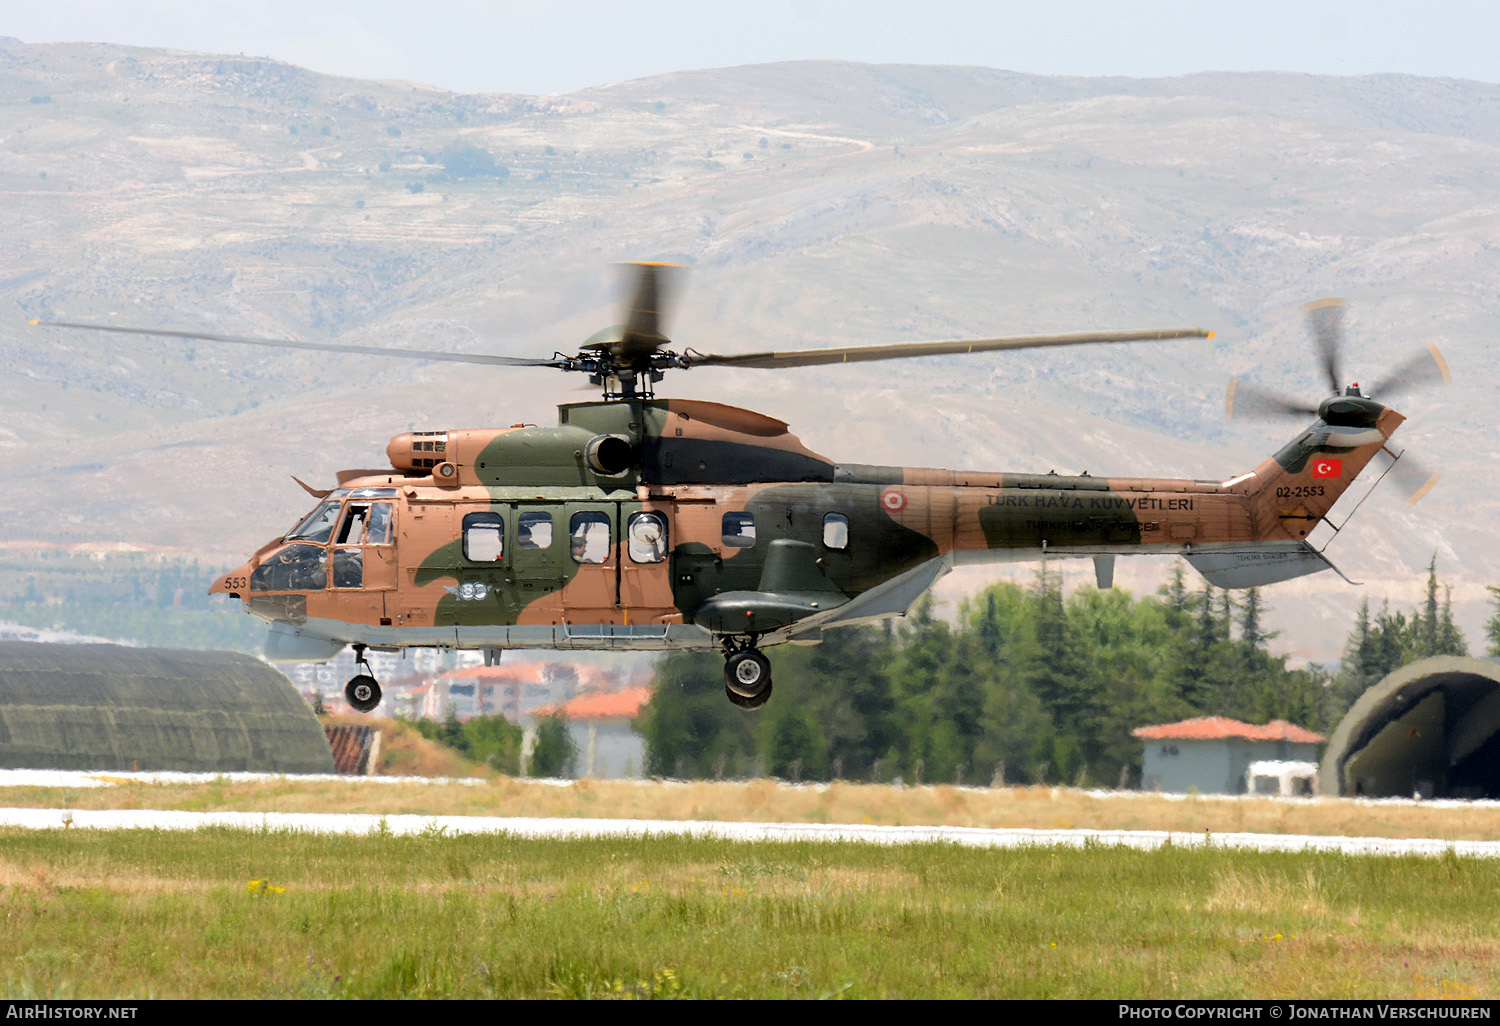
{"points": [[110, 707], [1430, 729]]}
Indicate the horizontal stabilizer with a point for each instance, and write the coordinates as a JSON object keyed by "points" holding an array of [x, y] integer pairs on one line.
{"points": [[1254, 566]]}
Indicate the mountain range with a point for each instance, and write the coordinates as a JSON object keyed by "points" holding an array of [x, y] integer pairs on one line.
{"points": [[813, 204]]}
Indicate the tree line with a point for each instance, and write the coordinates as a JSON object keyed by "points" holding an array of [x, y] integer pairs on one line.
{"points": [[1026, 685], [500, 744]]}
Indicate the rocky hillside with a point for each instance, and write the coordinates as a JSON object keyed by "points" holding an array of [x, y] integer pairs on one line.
{"points": [[816, 203]]}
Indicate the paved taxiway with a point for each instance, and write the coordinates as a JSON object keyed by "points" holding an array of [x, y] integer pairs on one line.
{"points": [[452, 825], [349, 823]]}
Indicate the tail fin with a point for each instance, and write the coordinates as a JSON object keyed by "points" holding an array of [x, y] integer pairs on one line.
{"points": [[1290, 494]]}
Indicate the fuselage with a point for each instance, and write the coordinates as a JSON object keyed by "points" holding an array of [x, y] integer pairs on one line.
{"points": [[659, 524]]}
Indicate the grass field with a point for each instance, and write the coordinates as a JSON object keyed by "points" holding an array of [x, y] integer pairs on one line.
{"points": [[221, 913], [234, 914]]}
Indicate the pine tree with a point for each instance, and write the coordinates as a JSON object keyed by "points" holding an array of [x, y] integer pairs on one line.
{"points": [[1393, 640], [688, 724], [1451, 640], [1360, 660], [1177, 595], [1425, 623], [845, 685], [1492, 625], [1251, 631]]}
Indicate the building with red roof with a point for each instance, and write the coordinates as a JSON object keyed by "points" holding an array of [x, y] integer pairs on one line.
{"points": [[1216, 755], [602, 725], [514, 690]]}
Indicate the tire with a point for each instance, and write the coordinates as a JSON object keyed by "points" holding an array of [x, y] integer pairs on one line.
{"points": [[363, 693], [749, 704], [747, 673]]}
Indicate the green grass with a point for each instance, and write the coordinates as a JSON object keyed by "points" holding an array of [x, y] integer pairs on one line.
{"points": [[135, 914]]}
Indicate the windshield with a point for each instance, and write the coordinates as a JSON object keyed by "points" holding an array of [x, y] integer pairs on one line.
{"points": [[318, 525]]}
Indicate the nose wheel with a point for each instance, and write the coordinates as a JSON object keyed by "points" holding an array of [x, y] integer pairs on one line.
{"points": [[363, 691], [747, 678]]}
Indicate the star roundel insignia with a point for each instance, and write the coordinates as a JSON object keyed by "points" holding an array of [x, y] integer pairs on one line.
{"points": [[893, 500]]}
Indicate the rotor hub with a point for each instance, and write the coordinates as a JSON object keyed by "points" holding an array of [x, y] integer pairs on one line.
{"points": [[1350, 409]]}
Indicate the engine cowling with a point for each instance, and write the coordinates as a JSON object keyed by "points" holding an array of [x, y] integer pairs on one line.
{"points": [[418, 451]]}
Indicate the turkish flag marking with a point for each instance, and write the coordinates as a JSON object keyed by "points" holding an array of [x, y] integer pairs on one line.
{"points": [[893, 500], [1328, 468]]}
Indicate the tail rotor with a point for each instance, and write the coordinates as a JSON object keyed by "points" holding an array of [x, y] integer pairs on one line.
{"points": [[1325, 321]]}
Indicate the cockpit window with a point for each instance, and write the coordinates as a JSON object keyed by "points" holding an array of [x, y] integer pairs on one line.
{"points": [[294, 568], [318, 526], [379, 531], [352, 530]]}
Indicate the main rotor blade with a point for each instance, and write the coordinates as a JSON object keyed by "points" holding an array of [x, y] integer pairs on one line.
{"points": [[327, 347], [642, 333], [1247, 400], [1326, 319], [1422, 368], [905, 350]]}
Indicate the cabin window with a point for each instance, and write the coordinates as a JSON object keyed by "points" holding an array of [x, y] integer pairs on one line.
{"points": [[294, 568], [534, 530], [318, 526], [484, 538], [739, 530], [647, 533], [835, 531], [588, 537]]}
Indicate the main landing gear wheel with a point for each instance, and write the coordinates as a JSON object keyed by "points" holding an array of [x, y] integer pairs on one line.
{"points": [[749, 704], [747, 673], [363, 693]]}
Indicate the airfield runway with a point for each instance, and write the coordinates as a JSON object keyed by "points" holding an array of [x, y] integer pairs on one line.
{"points": [[349, 823]]}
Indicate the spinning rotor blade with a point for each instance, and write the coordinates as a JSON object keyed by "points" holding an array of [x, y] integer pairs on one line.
{"points": [[1249, 400], [1422, 368], [1413, 478], [1326, 319], [642, 334], [628, 360], [327, 347], [904, 350]]}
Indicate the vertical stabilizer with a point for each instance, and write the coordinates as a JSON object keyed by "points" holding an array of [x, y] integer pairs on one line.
{"points": [[1293, 491]]}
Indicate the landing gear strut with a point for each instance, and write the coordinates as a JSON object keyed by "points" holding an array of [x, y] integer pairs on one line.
{"points": [[362, 692], [747, 676]]}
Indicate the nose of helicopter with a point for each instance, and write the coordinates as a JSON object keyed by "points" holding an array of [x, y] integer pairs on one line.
{"points": [[233, 583]]}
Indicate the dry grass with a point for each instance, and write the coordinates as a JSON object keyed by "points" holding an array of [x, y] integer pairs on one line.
{"points": [[770, 801], [406, 753]]}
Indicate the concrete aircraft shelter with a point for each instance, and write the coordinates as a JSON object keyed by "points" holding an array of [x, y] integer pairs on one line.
{"points": [[1431, 728], [109, 707]]}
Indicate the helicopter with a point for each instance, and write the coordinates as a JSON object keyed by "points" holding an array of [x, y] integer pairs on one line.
{"points": [[639, 523]]}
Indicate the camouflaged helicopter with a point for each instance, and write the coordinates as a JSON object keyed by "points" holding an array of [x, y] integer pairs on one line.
{"points": [[640, 523]]}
